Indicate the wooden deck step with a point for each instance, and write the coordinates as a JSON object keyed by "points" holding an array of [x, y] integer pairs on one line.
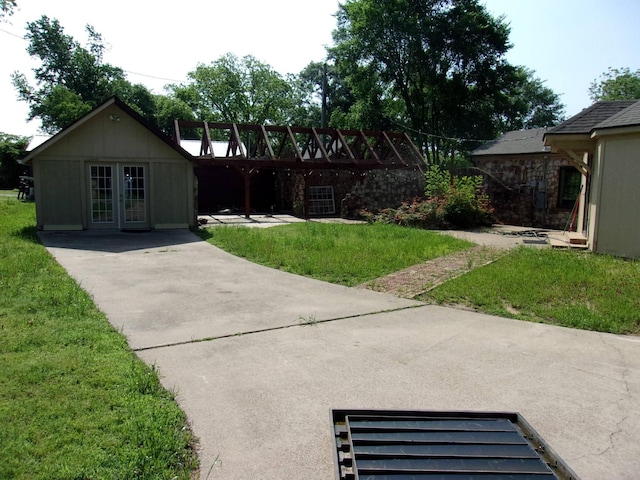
{"points": [[568, 240], [576, 238]]}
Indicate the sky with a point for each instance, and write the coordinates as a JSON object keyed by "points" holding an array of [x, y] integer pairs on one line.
{"points": [[568, 43]]}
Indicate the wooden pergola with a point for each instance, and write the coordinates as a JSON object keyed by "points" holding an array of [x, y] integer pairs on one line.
{"points": [[250, 147]]}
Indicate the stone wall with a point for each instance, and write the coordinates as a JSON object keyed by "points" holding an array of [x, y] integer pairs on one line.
{"points": [[389, 188], [524, 188], [353, 190]]}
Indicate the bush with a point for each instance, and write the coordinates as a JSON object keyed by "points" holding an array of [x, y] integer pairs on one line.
{"points": [[457, 202]]}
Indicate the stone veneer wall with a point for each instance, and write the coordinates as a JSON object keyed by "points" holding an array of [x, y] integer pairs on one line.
{"points": [[389, 188], [524, 188], [373, 190]]}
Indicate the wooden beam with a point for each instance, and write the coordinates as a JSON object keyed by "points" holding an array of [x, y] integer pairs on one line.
{"points": [[295, 144], [345, 145], [370, 148], [265, 137], [246, 174], [176, 128], [393, 148], [209, 145], [235, 143], [416, 152], [320, 145], [577, 162], [345, 149]]}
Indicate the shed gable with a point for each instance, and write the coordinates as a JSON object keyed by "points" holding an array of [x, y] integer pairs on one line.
{"points": [[110, 134]]}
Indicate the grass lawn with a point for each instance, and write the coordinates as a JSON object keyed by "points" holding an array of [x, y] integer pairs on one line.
{"points": [[570, 288], [75, 402], [333, 252]]}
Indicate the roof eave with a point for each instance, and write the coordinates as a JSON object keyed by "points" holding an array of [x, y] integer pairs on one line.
{"points": [[123, 106], [579, 142], [65, 131], [608, 131]]}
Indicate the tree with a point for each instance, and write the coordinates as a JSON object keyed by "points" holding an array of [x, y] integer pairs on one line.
{"points": [[339, 102], [72, 79], [616, 84], [531, 104], [239, 90], [168, 109], [12, 148], [7, 7], [436, 66]]}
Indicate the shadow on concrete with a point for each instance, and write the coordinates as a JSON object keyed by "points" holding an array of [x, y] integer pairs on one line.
{"points": [[115, 241]]}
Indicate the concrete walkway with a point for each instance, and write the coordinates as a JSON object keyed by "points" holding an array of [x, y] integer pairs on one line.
{"points": [[259, 357]]}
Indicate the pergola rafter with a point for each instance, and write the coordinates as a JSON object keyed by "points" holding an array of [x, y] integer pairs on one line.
{"points": [[271, 146], [248, 148]]}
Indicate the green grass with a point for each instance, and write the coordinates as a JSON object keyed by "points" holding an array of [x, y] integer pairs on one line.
{"points": [[333, 252], [569, 288], [75, 402]]}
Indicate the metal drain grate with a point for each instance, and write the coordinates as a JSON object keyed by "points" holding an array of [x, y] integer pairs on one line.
{"points": [[397, 445]]}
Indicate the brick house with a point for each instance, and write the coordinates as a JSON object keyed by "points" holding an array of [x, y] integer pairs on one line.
{"points": [[528, 184]]}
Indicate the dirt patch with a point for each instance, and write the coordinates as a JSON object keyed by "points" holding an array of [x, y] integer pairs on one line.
{"points": [[417, 279]]}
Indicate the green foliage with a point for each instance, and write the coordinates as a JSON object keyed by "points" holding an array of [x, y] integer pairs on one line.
{"points": [[237, 90], [530, 104], [12, 148], [6, 8], [437, 66], [616, 84], [569, 288], [73, 79], [76, 403], [452, 202], [168, 109], [337, 253], [340, 100]]}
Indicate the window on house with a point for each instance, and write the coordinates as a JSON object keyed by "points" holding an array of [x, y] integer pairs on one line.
{"points": [[569, 187], [321, 201]]}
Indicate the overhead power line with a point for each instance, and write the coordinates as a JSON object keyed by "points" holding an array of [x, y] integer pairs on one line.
{"points": [[153, 76], [12, 34]]}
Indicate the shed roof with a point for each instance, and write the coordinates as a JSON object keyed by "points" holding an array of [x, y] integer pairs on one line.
{"points": [[514, 143], [40, 146]]}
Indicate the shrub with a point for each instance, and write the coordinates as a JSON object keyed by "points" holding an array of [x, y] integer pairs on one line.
{"points": [[457, 202]]}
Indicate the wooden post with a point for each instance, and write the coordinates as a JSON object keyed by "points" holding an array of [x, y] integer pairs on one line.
{"points": [[246, 173], [247, 193], [306, 202]]}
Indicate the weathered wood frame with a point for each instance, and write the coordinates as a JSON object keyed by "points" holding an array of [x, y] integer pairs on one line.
{"points": [[300, 148]]}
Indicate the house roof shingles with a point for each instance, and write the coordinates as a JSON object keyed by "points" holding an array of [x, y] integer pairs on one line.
{"points": [[628, 117], [598, 113], [514, 143]]}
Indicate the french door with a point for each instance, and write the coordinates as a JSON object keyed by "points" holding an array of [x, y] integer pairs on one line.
{"points": [[118, 196]]}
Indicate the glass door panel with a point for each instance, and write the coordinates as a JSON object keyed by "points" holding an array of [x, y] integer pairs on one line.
{"points": [[101, 181], [133, 196]]}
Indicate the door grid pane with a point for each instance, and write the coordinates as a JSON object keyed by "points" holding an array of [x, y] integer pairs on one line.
{"points": [[134, 194], [101, 194]]}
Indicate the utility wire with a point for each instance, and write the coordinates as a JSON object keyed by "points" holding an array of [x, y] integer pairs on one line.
{"points": [[155, 77], [12, 34], [419, 132]]}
